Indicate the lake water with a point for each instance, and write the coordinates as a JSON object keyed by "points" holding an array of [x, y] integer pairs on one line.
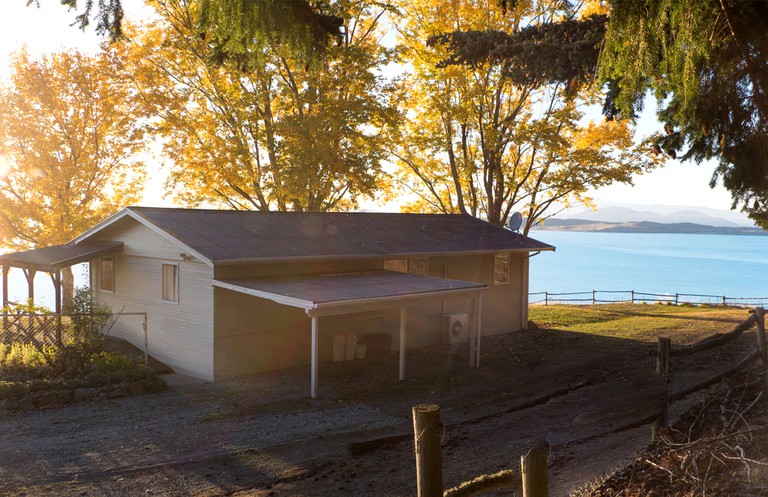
{"points": [[734, 266]]}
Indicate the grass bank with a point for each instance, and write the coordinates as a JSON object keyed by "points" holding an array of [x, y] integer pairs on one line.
{"points": [[643, 322]]}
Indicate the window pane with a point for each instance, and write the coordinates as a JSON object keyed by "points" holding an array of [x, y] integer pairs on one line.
{"points": [[399, 265], [501, 269], [107, 271], [417, 266], [169, 283]]}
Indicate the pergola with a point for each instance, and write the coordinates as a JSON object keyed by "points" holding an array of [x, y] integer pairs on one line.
{"points": [[335, 294], [52, 260]]}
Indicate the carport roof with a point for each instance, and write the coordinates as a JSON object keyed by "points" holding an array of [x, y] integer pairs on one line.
{"points": [[328, 293], [54, 258]]}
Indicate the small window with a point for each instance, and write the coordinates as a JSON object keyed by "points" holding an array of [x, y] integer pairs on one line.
{"points": [[417, 266], [170, 283], [398, 265], [501, 269], [107, 274]]}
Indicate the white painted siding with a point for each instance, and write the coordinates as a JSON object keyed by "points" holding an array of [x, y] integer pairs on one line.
{"points": [[180, 334]]}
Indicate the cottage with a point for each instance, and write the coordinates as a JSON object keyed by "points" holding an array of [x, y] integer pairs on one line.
{"points": [[229, 293]]}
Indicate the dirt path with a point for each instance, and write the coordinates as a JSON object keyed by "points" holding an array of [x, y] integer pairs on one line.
{"points": [[263, 436]]}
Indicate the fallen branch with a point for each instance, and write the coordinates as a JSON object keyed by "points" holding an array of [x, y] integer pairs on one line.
{"points": [[485, 483]]}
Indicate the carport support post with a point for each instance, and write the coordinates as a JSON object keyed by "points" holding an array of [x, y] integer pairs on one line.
{"points": [[403, 321], [761, 344], [474, 336], [313, 388]]}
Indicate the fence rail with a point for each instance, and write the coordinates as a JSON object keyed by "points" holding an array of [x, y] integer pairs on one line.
{"points": [[632, 296]]}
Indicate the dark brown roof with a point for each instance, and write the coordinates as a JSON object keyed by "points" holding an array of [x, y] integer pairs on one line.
{"points": [[308, 291], [54, 258], [234, 236]]}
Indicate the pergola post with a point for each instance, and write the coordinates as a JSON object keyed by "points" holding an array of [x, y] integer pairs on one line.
{"points": [[313, 387], [403, 321], [5, 298], [56, 278], [30, 275]]}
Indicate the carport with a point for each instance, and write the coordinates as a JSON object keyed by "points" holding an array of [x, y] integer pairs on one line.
{"points": [[335, 294]]}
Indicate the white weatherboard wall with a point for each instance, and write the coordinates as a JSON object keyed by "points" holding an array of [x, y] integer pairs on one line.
{"points": [[180, 334]]}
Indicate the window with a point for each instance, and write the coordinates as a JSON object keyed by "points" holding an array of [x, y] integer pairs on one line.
{"points": [[170, 283], [501, 269], [417, 266], [413, 266], [398, 265], [107, 274]]}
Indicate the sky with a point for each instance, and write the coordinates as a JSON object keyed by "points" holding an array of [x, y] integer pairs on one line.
{"points": [[48, 29]]}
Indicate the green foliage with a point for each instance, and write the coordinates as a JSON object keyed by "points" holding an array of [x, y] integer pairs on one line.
{"points": [[537, 55], [12, 389], [87, 317], [707, 63]]}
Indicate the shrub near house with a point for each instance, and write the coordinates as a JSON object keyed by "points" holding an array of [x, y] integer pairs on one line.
{"points": [[39, 375]]}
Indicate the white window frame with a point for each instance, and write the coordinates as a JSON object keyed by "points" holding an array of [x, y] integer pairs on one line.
{"points": [[507, 270], [174, 298], [111, 272]]}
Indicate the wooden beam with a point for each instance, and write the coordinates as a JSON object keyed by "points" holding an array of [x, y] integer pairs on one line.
{"points": [[403, 326], [30, 275], [472, 332], [313, 387], [56, 277]]}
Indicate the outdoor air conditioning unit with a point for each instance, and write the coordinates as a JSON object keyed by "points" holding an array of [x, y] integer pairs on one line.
{"points": [[455, 328]]}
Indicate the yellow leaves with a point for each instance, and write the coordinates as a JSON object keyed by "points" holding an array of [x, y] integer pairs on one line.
{"points": [[70, 134]]}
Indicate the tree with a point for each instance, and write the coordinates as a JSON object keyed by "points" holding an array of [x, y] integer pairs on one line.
{"points": [[707, 64], [484, 139], [234, 28], [275, 135], [69, 135]]}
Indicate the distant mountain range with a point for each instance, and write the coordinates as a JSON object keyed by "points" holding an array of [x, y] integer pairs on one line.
{"points": [[623, 213], [624, 218], [646, 227]]}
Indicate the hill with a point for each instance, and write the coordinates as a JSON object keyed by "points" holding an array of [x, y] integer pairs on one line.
{"points": [[646, 227]]}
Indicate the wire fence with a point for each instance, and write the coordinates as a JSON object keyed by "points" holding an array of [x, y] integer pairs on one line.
{"points": [[632, 296], [45, 329]]}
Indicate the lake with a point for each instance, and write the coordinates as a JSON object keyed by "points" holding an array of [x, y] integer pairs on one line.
{"points": [[734, 266]]}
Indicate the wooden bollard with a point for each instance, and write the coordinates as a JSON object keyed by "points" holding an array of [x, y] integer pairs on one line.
{"points": [[760, 315], [533, 469], [662, 357], [427, 435]]}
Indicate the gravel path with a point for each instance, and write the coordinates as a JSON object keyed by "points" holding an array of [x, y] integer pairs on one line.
{"points": [[262, 436]]}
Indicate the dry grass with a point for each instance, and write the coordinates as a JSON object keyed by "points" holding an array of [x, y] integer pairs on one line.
{"points": [[642, 322]]}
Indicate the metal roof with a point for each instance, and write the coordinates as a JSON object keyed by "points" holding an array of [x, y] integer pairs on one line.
{"points": [[251, 236], [51, 259], [319, 292]]}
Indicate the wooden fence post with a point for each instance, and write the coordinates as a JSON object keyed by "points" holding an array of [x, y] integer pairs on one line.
{"points": [[593, 298], [677, 296], [662, 357], [546, 298], [760, 315], [533, 469], [633, 296], [427, 435]]}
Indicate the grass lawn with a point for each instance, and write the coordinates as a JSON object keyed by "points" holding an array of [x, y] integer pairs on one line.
{"points": [[643, 322]]}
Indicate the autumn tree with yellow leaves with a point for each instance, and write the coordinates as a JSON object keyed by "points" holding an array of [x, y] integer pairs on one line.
{"points": [[70, 130], [480, 141], [266, 130]]}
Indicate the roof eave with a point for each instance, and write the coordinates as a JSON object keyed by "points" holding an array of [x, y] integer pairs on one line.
{"points": [[316, 258]]}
